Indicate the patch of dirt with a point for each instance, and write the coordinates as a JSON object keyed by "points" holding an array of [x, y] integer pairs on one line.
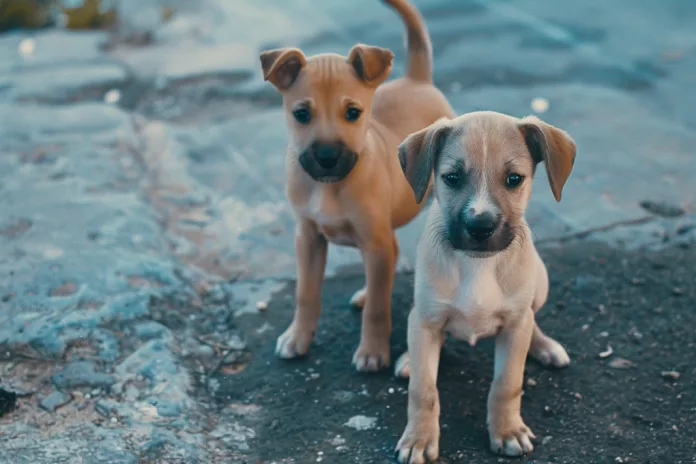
{"points": [[636, 405]]}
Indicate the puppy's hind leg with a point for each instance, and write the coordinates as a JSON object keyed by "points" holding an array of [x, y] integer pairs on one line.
{"points": [[547, 351], [358, 299]]}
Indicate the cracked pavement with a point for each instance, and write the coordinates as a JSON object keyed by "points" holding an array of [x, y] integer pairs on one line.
{"points": [[144, 228]]}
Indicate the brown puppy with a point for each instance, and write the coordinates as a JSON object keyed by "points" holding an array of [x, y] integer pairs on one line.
{"points": [[478, 273], [344, 180]]}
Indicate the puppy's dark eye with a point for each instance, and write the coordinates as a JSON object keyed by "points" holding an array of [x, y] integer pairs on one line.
{"points": [[452, 179], [514, 180], [353, 114], [302, 115]]}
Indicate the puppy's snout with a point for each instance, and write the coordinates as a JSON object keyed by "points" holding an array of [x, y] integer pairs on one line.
{"points": [[328, 154], [481, 226]]}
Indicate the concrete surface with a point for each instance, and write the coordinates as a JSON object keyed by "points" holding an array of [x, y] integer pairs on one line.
{"points": [[141, 192]]}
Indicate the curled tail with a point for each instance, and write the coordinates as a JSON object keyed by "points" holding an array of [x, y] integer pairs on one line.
{"points": [[419, 63]]}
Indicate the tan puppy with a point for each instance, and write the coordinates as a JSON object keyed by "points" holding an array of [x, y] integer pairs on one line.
{"points": [[344, 179], [478, 273]]}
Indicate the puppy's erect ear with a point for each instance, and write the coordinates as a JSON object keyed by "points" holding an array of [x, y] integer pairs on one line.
{"points": [[282, 66], [551, 145], [418, 154], [371, 64]]}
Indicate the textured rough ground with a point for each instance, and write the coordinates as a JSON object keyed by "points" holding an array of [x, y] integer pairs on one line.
{"points": [[142, 219], [636, 405]]}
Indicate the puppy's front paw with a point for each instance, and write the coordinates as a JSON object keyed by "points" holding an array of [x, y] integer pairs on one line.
{"points": [[294, 342], [372, 355], [359, 298], [550, 353], [402, 368], [511, 437], [419, 442]]}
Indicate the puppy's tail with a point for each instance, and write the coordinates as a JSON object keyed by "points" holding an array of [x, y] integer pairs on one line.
{"points": [[419, 65]]}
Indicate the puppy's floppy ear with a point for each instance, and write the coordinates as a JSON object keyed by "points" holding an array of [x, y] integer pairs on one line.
{"points": [[371, 64], [418, 154], [282, 66], [551, 145]]}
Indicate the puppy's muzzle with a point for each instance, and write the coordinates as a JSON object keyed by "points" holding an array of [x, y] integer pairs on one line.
{"points": [[485, 232], [328, 161], [480, 227]]}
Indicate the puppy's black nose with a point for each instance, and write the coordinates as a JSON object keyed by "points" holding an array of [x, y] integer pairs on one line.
{"points": [[481, 226], [327, 155]]}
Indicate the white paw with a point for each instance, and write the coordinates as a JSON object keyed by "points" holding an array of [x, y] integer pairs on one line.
{"points": [[514, 440], [293, 342], [358, 299], [371, 357], [419, 443], [550, 353], [402, 369]]}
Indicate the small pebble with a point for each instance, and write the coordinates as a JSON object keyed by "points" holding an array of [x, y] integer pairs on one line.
{"points": [[677, 291], [604, 334], [540, 105], [605, 354], [601, 309], [674, 375], [620, 363], [27, 47], [585, 327], [577, 395], [114, 420], [112, 97], [261, 305], [531, 382], [546, 439], [391, 390]]}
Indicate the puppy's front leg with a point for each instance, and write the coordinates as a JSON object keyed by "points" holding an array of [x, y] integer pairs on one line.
{"points": [[421, 438], [311, 248], [379, 257], [508, 433]]}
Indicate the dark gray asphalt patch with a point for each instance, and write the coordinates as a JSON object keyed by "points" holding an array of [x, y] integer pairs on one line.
{"points": [[591, 412]]}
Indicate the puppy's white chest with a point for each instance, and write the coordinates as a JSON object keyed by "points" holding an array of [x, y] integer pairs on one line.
{"points": [[476, 307], [326, 211]]}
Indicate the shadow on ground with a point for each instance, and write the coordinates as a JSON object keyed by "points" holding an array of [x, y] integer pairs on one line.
{"points": [[636, 405]]}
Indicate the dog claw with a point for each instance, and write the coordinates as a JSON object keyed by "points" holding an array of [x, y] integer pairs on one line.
{"points": [[368, 361], [293, 343], [515, 443], [418, 445]]}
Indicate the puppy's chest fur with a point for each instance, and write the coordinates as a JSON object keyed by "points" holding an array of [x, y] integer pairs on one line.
{"points": [[473, 302], [325, 210]]}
